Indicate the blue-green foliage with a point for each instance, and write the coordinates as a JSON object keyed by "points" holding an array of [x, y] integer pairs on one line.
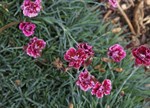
{"points": [[63, 23]]}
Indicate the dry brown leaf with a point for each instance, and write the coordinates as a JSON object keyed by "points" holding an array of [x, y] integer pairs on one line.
{"points": [[118, 69], [104, 59], [97, 67], [58, 63], [138, 17], [88, 62], [17, 82], [107, 14], [70, 105], [116, 30], [102, 70], [147, 2], [122, 93], [115, 20], [146, 20]]}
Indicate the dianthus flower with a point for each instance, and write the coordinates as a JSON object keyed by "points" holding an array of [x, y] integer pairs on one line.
{"points": [[75, 57], [116, 52], [107, 86], [88, 49], [85, 80], [30, 8], [34, 47], [142, 55], [27, 28], [98, 90]]}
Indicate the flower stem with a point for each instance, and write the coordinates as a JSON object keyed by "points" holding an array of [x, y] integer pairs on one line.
{"points": [[109, 65], [11, 48], [135, 69]]}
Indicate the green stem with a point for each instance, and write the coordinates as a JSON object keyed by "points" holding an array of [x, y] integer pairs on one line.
{"points": [[101, 104], [12, 48], [66, 31], [73, 39], [135, 69], [109, 65]]}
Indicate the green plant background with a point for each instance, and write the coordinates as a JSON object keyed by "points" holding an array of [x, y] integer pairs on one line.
{"points": [[63, 23]]}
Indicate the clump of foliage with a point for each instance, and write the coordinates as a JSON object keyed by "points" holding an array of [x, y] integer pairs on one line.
{"points": [[27, 82]]}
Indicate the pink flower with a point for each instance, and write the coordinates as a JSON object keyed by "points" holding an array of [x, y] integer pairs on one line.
{"points": [[98, 90], [102, 89], [75, 57], [85, 80], [116, 52], [27, 28], [35, 47], [87, 49], [107, 86], [30, 8], [113, 3], [142, 55]]}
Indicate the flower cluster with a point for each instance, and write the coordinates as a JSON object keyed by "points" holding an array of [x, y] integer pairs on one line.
{"points": [[77, 57], [27, 28], [116, 52], [86, 81], [30, 8], [142, 55], [35, 46]]}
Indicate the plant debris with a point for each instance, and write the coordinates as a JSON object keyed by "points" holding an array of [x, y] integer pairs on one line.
{"points": [[135, 14]]}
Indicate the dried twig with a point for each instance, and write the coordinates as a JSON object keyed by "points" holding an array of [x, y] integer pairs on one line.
{"points": [[126, 18], [8, 26], [107, 14], [146, 20], [132, 3]]}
